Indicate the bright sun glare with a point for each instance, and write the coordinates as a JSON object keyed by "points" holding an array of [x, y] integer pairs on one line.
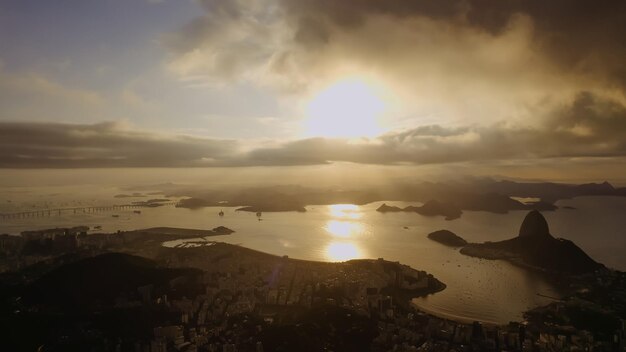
{"points": [[338, 251], [343, 229], [348, 108], [349, 211]]}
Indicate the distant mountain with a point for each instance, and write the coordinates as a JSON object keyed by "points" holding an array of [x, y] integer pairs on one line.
{"points": [[550, 192], [535, 247], [475, 195]]}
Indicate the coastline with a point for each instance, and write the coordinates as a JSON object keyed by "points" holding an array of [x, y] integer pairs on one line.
{"points": [[250, 238], [280, 288]]}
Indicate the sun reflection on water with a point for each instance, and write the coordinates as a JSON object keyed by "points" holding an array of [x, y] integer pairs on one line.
{"points": [[345, 211], [342, 251], [343, 229], [344, 225]]}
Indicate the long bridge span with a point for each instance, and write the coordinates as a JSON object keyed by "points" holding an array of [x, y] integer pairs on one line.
{"points": [[77, 210]]}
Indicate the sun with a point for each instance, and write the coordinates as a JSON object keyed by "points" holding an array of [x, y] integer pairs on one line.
{"points": [[348, 108]]}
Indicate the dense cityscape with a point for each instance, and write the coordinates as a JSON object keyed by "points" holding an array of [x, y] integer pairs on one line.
{"points": [[218, 297]]}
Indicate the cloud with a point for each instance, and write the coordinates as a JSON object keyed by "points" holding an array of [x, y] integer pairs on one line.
{"points": [[588, 127], [485, 44], [110, 144], [24, 95], [476, 63], [573, 34]]}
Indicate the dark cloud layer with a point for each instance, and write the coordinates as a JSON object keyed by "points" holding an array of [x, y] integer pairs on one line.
{"points": [[588, 127], [101, 145], [577, 34], [450, 62], [581, 35]]}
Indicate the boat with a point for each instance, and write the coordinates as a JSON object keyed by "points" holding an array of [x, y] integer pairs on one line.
{"points": [[221, 213], [137, 211], [258, 214]]}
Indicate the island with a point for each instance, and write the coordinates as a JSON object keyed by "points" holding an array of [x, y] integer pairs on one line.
{"points": [[536, 248], [134, 195], [447, 238], [430, 208], [153, 203], [473, 195], [195, 203], [273, 208]]}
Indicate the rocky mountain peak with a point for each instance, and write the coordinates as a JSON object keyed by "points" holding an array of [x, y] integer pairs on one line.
{"points": [[534, 225]]}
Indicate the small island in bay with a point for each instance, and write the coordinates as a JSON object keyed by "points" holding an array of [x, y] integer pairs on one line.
{"points": [[133, 195], [430, 208], [277, 204], [447, 238], [196, 203], [447, 199], [536, 248], [272, 208]]}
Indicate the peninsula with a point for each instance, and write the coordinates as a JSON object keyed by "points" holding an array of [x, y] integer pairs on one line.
{"points": [[536, 248], [127, 288]]}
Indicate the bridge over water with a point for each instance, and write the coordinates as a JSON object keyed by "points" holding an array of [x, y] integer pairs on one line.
{"points": [[77, 210]]}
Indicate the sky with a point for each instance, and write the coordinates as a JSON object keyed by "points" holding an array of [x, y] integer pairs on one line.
{"points": [[487, 84]]}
